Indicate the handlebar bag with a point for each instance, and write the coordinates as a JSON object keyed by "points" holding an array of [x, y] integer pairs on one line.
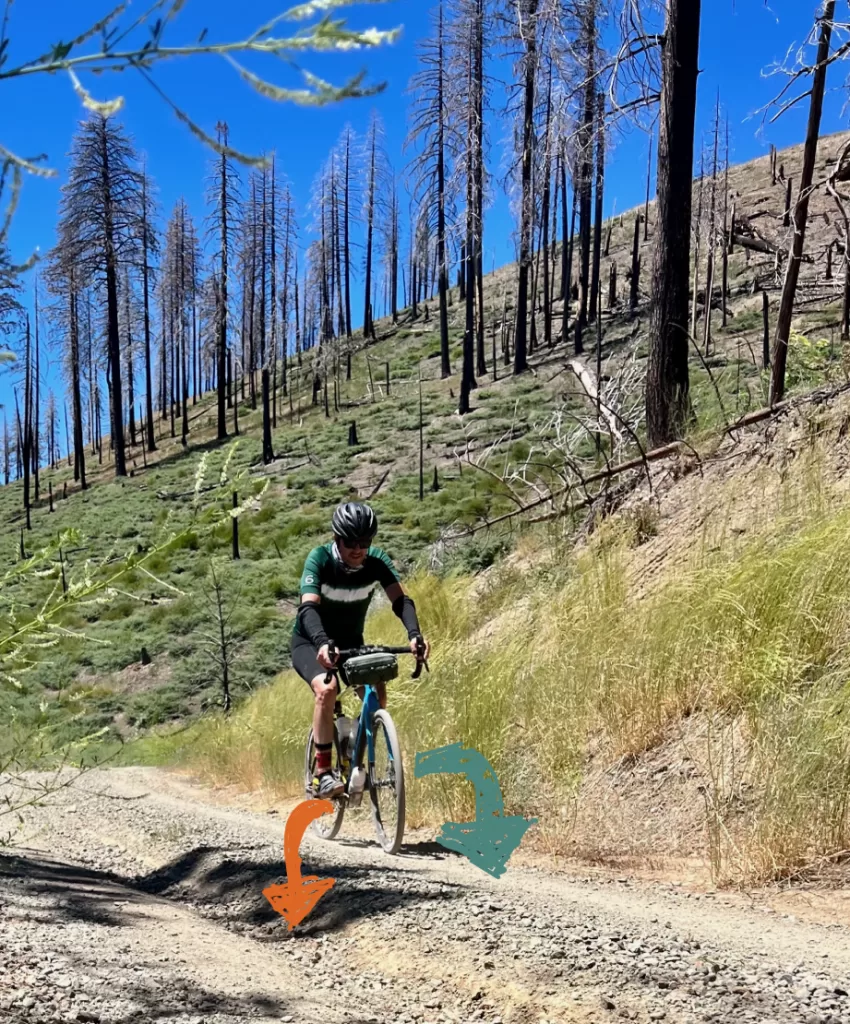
{"points": [[371, 669]]}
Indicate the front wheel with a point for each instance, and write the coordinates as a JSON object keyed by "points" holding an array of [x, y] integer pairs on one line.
{"points": [[328, 825], [386, 784]]}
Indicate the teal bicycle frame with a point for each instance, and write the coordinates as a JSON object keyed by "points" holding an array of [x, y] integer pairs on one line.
{"points": [[370, 705]]}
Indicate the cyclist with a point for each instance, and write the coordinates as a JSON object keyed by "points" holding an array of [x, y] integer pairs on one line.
{"points": [[337, 585]]}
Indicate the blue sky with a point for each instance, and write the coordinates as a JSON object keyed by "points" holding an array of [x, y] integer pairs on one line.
{"points": [[741, 38]]}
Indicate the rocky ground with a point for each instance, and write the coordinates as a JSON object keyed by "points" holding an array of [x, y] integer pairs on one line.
{"points": [[136, 895]]}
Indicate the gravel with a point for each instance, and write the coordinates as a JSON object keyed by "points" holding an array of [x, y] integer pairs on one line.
{"points": [[136, 896]]}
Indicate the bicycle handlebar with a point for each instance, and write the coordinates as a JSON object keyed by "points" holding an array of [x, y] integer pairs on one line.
{"points": [[353, 652]]}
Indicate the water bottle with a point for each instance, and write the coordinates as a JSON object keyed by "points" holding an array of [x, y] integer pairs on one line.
{"points": [[355, 790]]}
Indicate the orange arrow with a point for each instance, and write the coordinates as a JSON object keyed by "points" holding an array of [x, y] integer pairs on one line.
{"points": [[297, 896]]}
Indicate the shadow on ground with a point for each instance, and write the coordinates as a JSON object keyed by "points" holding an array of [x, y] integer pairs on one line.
{"points": [[226, 887], [210, 879], [76, 893]]}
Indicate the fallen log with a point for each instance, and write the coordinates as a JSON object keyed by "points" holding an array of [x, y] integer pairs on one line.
{"points": [[589, 384], [759, 245], [379, 485], [674, 448]]}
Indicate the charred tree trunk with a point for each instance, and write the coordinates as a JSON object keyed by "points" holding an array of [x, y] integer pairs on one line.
{"points": [[252, 297], [184, 331], [648, 191], [567, 270], [478, 75], [634, 291], [697, 249], [801, 210], [529, 31], [368, 327], [586, 193], [442, 269], [36, 403], [564, 292], [113, 337], [131, 397], [273, 290], [346, 229], [149, 424], [221, 347], [26, 446], [600, 199], [667, 392], [544, 214], [268, 452]]}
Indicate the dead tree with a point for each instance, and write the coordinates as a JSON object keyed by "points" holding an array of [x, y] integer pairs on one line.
{"points": [[588, 50], [149, 249], [634, 291], [667, 391], [428, 130], [712, 234], [100, 216], [841, 175], [224, 198], [525, 28], [648, 189], [726, 232], [801, 210], [600, 198], [697, 244]]}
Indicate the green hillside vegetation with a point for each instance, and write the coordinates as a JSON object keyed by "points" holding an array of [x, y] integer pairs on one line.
{"points": [[542, 654]]}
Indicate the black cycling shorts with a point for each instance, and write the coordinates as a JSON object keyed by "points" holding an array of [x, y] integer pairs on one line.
{"points": [[305, 659]]}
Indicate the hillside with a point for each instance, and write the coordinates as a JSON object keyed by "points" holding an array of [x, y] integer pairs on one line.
{"points": [[143, 663]]}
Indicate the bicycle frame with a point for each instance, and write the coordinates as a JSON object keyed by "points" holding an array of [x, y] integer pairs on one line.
{"points": [[365, 728], [371, 704]]}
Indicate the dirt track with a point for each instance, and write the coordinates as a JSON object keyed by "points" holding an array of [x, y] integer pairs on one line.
{"points": [[137, 896]]}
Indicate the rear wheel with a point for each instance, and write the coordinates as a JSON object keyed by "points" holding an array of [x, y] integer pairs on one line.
{"points": [[328, 825], [386, 784]]}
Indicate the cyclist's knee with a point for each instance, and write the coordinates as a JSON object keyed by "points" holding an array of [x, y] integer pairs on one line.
{"points": [[325, 695]]}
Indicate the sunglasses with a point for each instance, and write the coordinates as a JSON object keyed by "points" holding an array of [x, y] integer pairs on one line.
{"points": [[360, 545]]}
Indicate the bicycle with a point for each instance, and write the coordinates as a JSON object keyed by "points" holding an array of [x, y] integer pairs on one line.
{"points": [[375, 741]]}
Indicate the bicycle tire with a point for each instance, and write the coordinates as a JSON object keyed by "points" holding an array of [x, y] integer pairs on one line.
{"points": [[328, 825], [389, 837]]}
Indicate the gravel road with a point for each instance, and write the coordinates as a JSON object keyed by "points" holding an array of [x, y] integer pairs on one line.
{"points": [[136, 895]]}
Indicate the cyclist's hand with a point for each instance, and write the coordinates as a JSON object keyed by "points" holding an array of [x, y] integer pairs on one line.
{"points": [[325, 659], [414, 647]]}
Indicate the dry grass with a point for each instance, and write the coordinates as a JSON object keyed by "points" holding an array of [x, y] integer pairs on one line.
{"points": [[736, 669]]}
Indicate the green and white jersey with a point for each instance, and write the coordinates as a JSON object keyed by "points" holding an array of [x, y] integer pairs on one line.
{"points": [[345, 596]]}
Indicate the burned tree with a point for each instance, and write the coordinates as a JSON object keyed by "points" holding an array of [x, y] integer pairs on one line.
{"points": [[223, 196], [525, 30], [99, 230], [149, 248], [667, 391], [428, 131], [801, 209]]}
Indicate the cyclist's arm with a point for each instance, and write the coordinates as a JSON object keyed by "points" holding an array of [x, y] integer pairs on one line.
{"points": [[404, 608], [311, 621]]}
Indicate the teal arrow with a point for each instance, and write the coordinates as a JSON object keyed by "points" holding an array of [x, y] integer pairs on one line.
{"points": [[488, 841]]}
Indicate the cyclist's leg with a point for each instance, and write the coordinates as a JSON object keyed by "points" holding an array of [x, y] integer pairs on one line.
{"points": [[323, 709], [306, 664]]}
